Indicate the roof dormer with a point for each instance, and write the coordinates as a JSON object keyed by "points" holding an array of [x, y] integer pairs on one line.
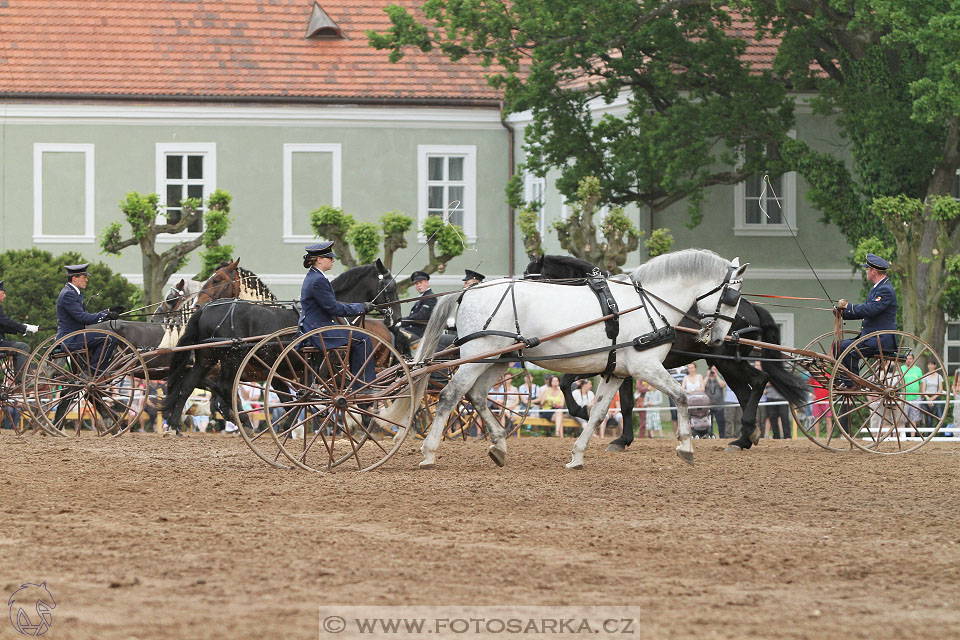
{"points": [[321, 26]]}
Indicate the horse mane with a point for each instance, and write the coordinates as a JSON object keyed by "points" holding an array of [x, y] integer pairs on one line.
{"points": [[680, 263], [351, 277], [252, 287]]}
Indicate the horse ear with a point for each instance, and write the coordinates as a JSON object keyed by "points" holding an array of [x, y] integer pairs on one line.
{"points": [[739, 272], [181, 284], [735, 262], [235, 262], [382, 269]]}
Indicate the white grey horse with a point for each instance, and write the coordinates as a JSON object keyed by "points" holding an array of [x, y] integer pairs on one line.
{"points": [[675, 280]]}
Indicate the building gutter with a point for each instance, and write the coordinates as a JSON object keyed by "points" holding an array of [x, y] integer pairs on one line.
{"points": [[511, 213], [300, 100]]}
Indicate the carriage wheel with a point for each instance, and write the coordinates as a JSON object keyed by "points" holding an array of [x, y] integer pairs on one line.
{"points": [[74, 392], [26, 386], [343, 419], [813, 417], [13, 409], [253, 373], [885, 411]]}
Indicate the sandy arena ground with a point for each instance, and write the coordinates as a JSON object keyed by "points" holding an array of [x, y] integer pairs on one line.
{"points": [[194, 537]]}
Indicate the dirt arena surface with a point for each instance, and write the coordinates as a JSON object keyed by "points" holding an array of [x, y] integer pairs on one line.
{"points": [[194, 537]]}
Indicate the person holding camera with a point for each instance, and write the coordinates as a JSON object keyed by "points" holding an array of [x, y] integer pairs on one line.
{"points": [[716, 388]]}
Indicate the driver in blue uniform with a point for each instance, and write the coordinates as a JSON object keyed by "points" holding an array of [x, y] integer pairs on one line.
{"points": [[73, 316], [879, 313], [319, 307]]}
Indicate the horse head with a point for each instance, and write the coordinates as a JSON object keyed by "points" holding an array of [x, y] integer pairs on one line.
{"points": [[534, 268], [223, 283], [387, 294], [718, 307]]}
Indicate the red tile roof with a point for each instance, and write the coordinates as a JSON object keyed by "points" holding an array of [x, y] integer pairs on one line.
{"points": [[228, 49]]}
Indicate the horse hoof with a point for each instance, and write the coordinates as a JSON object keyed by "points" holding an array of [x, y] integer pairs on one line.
{"points": [[497, 455], [686, 456], [615, 447], [733, 448], [428, 465], [576, 467]]}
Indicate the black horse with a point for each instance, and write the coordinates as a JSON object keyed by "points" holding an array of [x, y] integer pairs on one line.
{"points": [[229, 318], [746, 381]]}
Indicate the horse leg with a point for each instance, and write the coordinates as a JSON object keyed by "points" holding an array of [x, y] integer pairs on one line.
{"points": [[459, 384], [605, 392], [477, 395], [626, 407], [190, 381], [747, 383], [658, 377]]}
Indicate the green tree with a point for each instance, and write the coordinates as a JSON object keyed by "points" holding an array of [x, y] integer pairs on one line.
{"points": [[444, 241], [890, 70], [691, 113], [34, 278], [142, 213]]}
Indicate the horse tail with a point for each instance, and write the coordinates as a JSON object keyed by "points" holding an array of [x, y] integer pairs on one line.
{"points": [[792, 387], [181, 360], [426, 348]]}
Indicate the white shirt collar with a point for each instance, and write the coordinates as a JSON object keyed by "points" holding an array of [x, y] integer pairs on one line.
{"points": [[75, 287]]}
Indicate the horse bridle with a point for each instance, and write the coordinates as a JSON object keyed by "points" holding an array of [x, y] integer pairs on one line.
{"points": [[387, 308], [728, 296], [218, 292]]}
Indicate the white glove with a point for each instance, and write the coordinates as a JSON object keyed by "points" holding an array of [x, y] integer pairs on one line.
{"points": [[32, 328], [451, 323]]}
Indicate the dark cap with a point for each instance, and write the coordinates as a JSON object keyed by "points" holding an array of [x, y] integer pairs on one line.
{"points": [[321, 250], [2, 288], [417, 276], [876, 262], [472, 275], [76, 269]]}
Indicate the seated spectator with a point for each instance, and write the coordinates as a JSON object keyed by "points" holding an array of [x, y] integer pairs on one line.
{"points": [[529, 395], [199, 410], [614, 417], [584, 396], [148, 418], [551, 403]]}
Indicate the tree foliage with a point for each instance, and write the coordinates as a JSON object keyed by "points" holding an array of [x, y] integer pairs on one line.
{"points": [[890, 70], [34, 278], [690, 112], [142, 213], [444, 241]]}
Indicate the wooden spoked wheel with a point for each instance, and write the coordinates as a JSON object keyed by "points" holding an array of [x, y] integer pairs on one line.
{"points": [[813, 417], [252, 376], [78, 388], [893, 399], [13, 410], [465, 421], [26, 385], [343, 419]]}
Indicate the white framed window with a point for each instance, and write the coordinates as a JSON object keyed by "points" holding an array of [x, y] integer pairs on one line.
{"points": [[766, 209], [306, 168], [68, 194], [951, 347], [534, 190], [785, 322], [184, 170], [446, 174]]}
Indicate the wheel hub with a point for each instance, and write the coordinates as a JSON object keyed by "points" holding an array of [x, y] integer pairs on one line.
{"points": [[340, 402]]}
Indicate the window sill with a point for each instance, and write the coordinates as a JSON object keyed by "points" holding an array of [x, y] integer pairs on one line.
{"points": [[300, 239], [65, 239], [178, 237], [764, 230]]}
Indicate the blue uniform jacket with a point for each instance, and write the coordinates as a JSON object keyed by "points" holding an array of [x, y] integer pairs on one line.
{"points": [[319, 307], [416, 322], [9, 326], [71, 315], [879, 312]]}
